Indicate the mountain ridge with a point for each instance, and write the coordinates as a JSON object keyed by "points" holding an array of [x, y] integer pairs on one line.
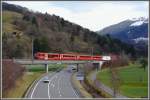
{"points": [[131, 31]]}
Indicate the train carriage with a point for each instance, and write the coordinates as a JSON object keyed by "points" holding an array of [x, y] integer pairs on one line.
{"points": [[84, 57], [97, 58], [41, 56], [68, 57], [56, 56], [52, 56]]}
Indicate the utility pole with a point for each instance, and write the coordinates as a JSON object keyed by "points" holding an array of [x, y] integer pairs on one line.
{"points": [[92, 52], [32, 49]]}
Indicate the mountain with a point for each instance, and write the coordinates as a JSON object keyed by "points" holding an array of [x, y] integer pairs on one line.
{"points": [[51, 33], [132, 31]]}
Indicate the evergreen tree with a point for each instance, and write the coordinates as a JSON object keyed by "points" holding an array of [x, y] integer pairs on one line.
{"points": [[34, 21], [41, 44]]}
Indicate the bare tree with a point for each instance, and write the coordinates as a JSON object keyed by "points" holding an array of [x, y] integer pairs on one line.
{"points": [[114, 77]]}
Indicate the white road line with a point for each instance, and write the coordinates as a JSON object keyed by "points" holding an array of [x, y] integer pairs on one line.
{"points": [[49, 96], [71, 85], [35, 87], [48, 92], [59, 86]]}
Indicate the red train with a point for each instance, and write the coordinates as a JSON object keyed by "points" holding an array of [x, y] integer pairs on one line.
{"points": [[55, 56]]}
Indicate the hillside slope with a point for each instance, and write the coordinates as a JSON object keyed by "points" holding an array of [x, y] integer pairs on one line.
{"points": [[51, 33]]}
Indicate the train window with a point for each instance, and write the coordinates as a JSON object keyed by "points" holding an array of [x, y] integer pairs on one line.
{"points": [[52, 56], [85, 56], [96, 57], [41, 54], [68, 56]]}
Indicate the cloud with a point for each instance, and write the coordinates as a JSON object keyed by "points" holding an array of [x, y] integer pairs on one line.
{"points": [[33, 5], [94, 15], [101, 15]]}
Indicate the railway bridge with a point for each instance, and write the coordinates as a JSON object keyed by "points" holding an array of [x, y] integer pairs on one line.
{"points": [[96, 63]]}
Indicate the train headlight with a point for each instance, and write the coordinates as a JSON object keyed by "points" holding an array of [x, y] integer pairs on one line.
{"points": [[106, 58]]}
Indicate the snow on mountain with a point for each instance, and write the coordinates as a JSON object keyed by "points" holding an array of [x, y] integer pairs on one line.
{"points": [[132, 31], [139, 21], [140, 39]]}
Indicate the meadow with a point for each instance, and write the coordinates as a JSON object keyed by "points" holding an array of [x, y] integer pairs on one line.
{"points": [[134, 80], [41, 68]]}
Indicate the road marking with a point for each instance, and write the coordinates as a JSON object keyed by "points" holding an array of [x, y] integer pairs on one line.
{"points": [[38, 83], [59, 86], [70, 84], [58, 78], [35, 87], [49, 96]]}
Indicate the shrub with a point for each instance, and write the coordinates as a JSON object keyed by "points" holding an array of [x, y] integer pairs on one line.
{"points": [[10, 73]]}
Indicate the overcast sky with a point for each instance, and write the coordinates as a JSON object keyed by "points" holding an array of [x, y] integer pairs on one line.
{"points": [[94, 15]]}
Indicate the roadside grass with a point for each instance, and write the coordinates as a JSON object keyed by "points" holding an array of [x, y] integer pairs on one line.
{"points": [[134, 80], [9, 16], [7, 19], [41, 68], [22, 84], [31, 74], [79, 87]]}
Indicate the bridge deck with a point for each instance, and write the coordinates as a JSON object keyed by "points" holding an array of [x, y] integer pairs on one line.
{"points": [[29, 61]]}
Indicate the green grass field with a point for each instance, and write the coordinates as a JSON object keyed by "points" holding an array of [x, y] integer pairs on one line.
{"points": [[41, 68], [134, 80]]}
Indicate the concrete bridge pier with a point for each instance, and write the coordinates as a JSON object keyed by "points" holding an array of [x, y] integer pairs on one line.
{"points": [[98, 65], [77, 67], [46, 68]]}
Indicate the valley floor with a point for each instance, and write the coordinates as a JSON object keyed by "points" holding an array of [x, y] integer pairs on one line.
{"points": [[134, 80]]}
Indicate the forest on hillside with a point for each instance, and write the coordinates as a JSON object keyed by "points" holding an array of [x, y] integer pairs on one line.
{"points": [[51, 33]]}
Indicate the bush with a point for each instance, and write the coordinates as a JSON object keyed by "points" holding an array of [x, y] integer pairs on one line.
{"points": [[10, 73]]}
